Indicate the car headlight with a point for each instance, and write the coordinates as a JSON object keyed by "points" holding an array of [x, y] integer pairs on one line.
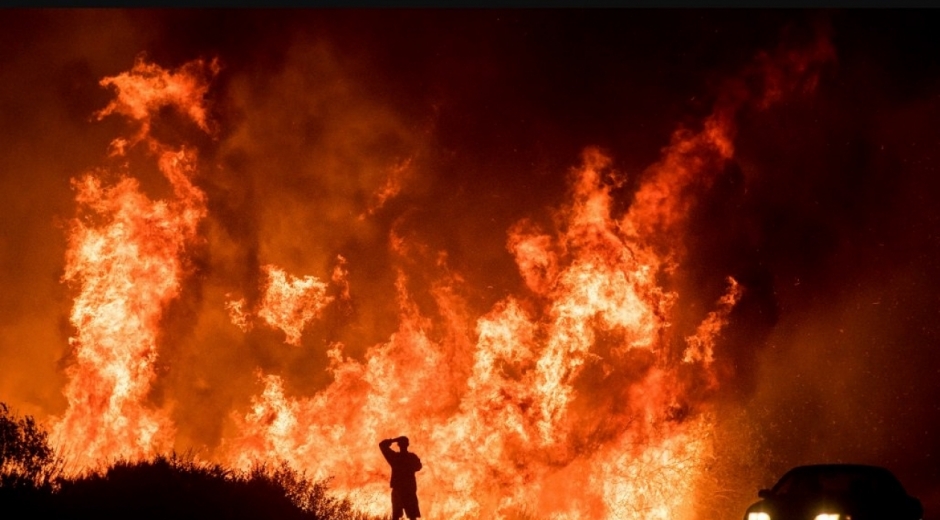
{"points": [[827, 516], [758, 516]]}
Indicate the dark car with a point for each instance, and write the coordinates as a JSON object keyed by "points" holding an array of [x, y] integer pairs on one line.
{"points": [[836, 492]]}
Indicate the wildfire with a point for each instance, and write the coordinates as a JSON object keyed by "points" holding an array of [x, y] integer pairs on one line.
{"points": [[549, 408], [289, 303], [126, 255], [565, 401]]}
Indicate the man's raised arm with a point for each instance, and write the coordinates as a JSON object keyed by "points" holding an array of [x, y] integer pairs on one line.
{"points": [[386, 447]]}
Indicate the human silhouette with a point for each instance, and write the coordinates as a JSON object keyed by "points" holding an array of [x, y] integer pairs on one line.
{"points": [[404, 487]]}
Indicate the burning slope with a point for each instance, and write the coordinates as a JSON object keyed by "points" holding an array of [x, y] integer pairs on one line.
{"points": [[570, 400]]}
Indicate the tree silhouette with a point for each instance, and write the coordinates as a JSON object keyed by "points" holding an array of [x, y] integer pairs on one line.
{"points": [[26, 459]]}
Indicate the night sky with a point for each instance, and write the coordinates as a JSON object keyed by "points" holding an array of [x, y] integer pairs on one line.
{"points": [[829, 213]]}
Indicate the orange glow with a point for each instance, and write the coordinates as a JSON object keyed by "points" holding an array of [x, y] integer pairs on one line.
{"points": [[147, 87], [510, 439], [125, 257], [568, 400], [289, 303], [392, 187], [702, 343]]}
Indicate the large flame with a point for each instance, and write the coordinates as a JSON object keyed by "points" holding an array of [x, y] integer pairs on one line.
{"points": [[565, 391], [126, 255], [568, 400]]}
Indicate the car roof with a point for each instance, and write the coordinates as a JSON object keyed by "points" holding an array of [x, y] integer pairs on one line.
{"points": [[839, 467], [814, 471]]}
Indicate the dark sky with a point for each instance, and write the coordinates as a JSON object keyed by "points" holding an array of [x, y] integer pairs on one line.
{"points": [[828, 213]]}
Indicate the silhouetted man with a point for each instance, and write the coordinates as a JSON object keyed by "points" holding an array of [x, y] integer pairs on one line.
{"points": [[404, 487]]}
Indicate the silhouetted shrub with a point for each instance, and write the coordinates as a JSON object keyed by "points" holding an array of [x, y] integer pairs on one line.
{"points": [[166, 487], [312, 496], [26, 459], [171, 487]]}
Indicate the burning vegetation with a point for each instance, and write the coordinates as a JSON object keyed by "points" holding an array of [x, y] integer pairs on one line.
{"points": [[572, 388], [252, 276]]}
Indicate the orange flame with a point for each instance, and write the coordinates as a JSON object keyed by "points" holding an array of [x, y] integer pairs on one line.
{"points": [[146, 88], [571, 404], [392, 187], [525, 426], [126, 256], [288, 303], [567, 401], [702, 343]]}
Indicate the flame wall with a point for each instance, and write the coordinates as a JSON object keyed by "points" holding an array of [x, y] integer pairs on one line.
{"points": [[595, 266]]}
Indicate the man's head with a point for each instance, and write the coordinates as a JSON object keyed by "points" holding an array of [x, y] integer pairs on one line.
{"points": [[403, 443]]}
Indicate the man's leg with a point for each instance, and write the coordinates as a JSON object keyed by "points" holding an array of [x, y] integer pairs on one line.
{"points": [[398, 507], [410, 504]]}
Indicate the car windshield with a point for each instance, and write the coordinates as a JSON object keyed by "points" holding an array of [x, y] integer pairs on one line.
{"points": [[838, 480]]}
